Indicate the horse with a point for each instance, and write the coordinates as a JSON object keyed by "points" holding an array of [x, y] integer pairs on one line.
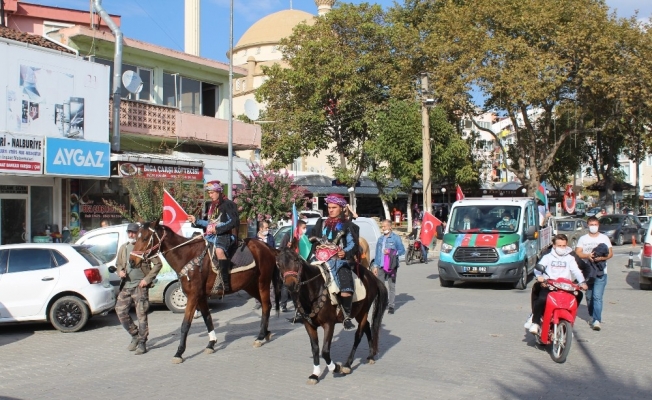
{"points": [[306, 283], [365, 259], [190, 260]]}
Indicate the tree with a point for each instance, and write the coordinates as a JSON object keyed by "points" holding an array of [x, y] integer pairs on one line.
{"points": [[324, 96], [267, 194]]}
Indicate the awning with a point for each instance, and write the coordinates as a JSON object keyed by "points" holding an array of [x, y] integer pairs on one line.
{"points": [[216, 168], [157, 166], [152, 158]]}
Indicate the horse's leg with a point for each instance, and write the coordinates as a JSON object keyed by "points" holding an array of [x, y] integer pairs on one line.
{"points": [[191, 306], [208, 320], [326, 349], [370, 340], [314, 345], [261, 294]]}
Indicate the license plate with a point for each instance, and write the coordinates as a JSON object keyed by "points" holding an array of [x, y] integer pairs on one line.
{"points": [[474, 270]]}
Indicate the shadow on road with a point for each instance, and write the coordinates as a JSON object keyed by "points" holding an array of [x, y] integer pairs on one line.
{"points": [[632, 279], [401, 299]]}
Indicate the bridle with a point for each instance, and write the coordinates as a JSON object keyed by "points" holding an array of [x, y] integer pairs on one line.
{"points": [[146, 254], [321, 299], [297, 275]]}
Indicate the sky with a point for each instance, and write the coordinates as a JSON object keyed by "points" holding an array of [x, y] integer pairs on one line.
{"points": [[161, 21]]}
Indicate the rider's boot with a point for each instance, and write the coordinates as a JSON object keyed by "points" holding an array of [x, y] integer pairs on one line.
{"points": [[346, 309], [225, 274]]}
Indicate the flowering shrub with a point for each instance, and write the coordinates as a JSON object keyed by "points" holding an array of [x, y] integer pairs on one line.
{"points": [[267, 194]]}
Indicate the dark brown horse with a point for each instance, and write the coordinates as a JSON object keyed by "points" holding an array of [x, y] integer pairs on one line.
{"points": [[307, 286], [190, 259]]}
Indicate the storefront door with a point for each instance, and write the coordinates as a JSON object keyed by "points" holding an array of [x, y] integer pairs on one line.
{"points": [[13, 218]]}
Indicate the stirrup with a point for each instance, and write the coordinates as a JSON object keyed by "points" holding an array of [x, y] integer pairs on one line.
{"points": [[348, 324]]}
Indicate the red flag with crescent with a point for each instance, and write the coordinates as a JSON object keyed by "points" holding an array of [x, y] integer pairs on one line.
{"points": [[173, 215], [428, 228], [459, 195]]}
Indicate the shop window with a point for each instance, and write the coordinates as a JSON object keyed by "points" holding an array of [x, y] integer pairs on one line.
{"points": [[42, 210]]}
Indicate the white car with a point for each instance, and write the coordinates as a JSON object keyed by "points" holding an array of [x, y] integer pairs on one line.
{"points": [[58, 283], [105, 242]]}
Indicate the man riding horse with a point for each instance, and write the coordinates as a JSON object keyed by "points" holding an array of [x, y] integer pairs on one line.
{"points": [[220, 224], [338, 225]]}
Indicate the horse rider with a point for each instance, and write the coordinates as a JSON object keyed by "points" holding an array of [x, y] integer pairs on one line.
{"points": [[134, 290], [220, 223], [341, 264]]}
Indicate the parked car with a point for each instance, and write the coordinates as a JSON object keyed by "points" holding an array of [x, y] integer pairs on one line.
{"points": [[621, 228], [592, 212], [105, 242], [644, 220], [310, 217], [645, 275], [58, 283], [571, 227]]}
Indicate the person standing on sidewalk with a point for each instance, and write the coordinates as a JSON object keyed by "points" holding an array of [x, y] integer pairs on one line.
{"points": [[584, 250], [134, 289], [389, 241]]}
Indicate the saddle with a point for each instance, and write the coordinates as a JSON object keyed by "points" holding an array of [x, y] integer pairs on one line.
{"points": [[359, 291]]}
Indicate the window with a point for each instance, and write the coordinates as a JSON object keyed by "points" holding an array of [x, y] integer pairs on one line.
{"points": [[171, 83], [190, 96], [144, 73], [88, 256], [23, 260], [4, 254], [258, 50], [59, 258], [104, 246], [649, 160], [238, 84], [41, 209]]}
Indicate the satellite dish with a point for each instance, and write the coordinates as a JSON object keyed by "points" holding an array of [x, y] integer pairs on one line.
{"points": [[132, 82], [252, 111]]}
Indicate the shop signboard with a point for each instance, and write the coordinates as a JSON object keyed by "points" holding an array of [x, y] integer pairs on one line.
{"points": [[647, 195], [21, 154], [68, 157], [53, 95], [94, 207], [146, 170]]}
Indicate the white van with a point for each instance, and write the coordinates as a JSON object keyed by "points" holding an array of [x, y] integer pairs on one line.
{"points": [[105, 242]]}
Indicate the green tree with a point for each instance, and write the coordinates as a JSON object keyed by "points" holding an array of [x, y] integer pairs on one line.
{"points": [[323, 97]]}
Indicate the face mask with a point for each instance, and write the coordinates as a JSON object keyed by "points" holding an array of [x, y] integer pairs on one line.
{"points": [[561, 251], [132, 241], [593, 229], [506, 219], [264, 233], [385, 232]]}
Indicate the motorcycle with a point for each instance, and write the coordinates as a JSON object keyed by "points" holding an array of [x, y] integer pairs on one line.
{"points": [[558, 317], [414, 252]]}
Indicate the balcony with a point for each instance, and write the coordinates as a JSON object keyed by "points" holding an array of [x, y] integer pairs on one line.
{"points": [[141, 118]]}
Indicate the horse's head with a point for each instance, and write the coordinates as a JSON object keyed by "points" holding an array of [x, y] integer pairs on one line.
{"points": [[148, 241], [290, 264]]}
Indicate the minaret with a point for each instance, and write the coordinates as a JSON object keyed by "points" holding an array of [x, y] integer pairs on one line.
{"points": [[324, 6], [191, 19]]}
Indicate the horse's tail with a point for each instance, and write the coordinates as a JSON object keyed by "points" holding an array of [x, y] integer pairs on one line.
{"points": [[382, 300], [277, 283]]}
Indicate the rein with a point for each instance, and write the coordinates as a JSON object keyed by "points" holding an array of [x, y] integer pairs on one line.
{"points": [[321, 299], [145, 255]]}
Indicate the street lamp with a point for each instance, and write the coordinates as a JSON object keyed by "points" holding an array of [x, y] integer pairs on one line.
{"points": [[443, 192], [351, 191], [524, 191]]}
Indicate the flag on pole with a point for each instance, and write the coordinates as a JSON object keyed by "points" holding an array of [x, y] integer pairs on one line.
{"points": [[541, 194], [304, 247], [459, 195], [428, 228], [173, 215], [295, 220]]}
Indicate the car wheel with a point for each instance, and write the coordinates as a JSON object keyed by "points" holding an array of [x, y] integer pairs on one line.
{"points": [[408, 257], [68, 314], [620, 240], [521, 284], [445, 283], [175, 299]]}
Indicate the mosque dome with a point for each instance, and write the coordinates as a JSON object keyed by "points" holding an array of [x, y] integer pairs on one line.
{"points": [[274, 27]]}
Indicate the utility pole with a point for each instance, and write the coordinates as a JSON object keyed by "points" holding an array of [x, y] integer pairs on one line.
{"points": [[425, 138]]}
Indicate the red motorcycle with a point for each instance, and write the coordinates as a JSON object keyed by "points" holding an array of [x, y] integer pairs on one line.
{"points": [[558, 317]]}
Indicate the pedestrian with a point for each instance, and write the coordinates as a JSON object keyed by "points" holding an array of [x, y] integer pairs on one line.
{"points": [[585, 246], [134, 290], [264, 236], [601, 213], [389, 241], [104, 223]]}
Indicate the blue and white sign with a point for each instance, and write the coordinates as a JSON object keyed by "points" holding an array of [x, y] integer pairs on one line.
{"points": [[70, 157]]}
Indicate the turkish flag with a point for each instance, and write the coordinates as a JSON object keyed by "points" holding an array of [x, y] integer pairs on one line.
{"points": [[459, 195], [173, 215], [428, 228]]}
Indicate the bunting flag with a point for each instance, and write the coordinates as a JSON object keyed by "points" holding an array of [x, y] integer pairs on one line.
{"points": [[173, 215], [541, 194], [428, 228], [459, 195]]}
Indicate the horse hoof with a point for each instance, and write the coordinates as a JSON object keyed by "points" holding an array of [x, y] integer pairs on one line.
{"points": [[313, 380], [257, 343], [177, 360], [209, 350], [345, 370], [269, 336], [371, 361]]}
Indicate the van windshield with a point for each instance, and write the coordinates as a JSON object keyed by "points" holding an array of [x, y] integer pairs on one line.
{"points": [[481, 218]]}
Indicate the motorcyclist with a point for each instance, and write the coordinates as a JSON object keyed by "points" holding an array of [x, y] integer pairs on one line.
{"points": [[559, 263], [416, 236]]}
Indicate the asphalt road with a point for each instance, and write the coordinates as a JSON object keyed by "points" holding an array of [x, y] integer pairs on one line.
{"points": [[450, 343]]}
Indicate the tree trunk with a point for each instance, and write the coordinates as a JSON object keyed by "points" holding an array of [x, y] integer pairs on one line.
{"points": [[409, 210], [385, 208]]}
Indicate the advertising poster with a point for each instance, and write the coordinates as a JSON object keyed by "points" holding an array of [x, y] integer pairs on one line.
{"points": [[68, 157], [92, 208], [126, 169], [21, 154], [54, 95]]}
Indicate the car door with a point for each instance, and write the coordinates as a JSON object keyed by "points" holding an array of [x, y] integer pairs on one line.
{"points": [[28, 282]]}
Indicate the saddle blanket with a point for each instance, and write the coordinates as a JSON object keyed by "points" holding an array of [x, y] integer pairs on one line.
{"points": [[359, 291], [242, 260]]}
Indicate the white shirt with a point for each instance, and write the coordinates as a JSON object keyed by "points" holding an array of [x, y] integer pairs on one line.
{"points": [[561, 266], [588, 243]]}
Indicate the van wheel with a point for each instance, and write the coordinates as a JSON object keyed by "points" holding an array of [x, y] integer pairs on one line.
{"points": [[445, 283], [521, 284], [175, 299], [620, 240], [69, 314]]}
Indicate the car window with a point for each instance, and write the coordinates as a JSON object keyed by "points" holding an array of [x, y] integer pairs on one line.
{"points": [[88, 255], [584, 225], [4, 254], [565, 226], [22, 260], [104, 246], [59, 258]]}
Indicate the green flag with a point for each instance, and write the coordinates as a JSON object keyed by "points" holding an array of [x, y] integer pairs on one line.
{"points": [[304, 247]]}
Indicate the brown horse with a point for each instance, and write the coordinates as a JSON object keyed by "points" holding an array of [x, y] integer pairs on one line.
{"points": [[191, 261], [365, 259], [307, 286]]}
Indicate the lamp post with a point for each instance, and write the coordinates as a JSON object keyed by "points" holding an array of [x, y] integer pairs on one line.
{"points": [[443, 193], [351, 191], [524, 191]]}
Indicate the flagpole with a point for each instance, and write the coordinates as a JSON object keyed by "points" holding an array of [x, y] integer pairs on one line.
{"points": [[230, 137]]}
